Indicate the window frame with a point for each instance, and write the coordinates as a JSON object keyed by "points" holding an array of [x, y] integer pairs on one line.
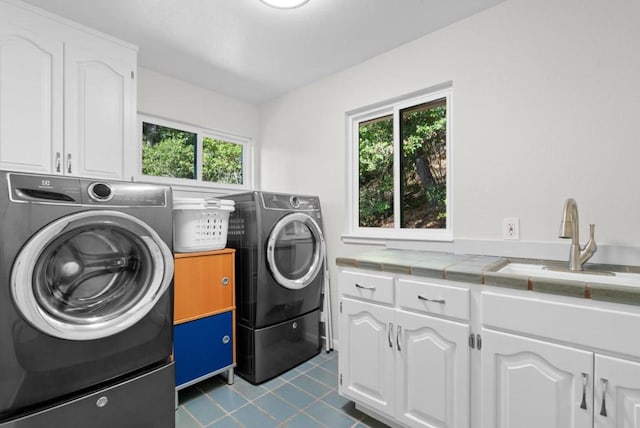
{"points": [[354, 118], [201, 133]]}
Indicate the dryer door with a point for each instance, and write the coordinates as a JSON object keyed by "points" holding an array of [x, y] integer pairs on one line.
{"points": [[295, 250], [90, 275]]}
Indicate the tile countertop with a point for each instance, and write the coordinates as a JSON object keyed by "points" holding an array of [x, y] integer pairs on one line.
{"points": [[477, 269]]}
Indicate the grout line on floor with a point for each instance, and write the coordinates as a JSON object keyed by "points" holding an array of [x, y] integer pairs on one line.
{"points": [[243, 392]]}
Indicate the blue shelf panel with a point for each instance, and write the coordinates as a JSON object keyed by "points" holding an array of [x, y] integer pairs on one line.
{"points": [[203, 346]]}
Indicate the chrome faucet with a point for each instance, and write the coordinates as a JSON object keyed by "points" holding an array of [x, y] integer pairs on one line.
{"points": [[569, 229]]}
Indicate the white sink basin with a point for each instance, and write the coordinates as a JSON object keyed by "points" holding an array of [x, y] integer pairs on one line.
{"points": [[594, 277]]}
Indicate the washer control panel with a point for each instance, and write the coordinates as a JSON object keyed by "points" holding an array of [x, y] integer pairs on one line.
{"points": [[47, 189], [116, 193]]}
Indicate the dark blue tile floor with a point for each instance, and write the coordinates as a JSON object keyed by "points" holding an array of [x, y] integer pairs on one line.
{"points": [[305, 397]]}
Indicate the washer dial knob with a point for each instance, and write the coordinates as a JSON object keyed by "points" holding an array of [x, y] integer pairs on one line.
{"points": [[100, 192]]}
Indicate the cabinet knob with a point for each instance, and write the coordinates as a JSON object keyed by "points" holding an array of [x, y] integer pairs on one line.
{"points": [[226, 339], [225, 281]]}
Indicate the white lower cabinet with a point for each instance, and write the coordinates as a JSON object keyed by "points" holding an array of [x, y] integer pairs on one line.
{"points": [[411, 368], [528, 383], [366, 357], [436, 354], [532, 378], [617, 393], [432, 372]]}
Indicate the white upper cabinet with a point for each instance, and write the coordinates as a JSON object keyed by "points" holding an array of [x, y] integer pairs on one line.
{"points": [[99, 112], [30, 99], [67, 96]]}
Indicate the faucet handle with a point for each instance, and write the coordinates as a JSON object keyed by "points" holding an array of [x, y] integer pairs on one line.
{"points": [[590, 247]]}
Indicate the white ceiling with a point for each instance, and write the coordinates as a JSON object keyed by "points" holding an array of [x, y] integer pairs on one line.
{"points": [[253, 52]]}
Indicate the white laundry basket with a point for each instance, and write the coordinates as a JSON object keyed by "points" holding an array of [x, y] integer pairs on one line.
{"points": [[200, 224]]}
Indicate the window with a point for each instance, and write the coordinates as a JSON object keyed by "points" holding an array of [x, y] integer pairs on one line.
{"points": [[183, 154], [400, 168]]}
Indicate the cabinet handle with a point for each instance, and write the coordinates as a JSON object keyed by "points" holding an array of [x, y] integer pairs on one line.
{"points": [[57, 161], [364, 287], [225, 281], [69, 163], [583, 405], [226, 339], [603, 408], [390, 335], [399, 332], [441, 301]]}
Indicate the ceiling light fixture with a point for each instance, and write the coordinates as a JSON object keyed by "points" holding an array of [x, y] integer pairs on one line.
{"points": [[284, 4]]}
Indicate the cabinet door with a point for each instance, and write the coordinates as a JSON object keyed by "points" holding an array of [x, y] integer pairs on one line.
{"points": [[366, 356], [204, 285], [432, 372], [203, 346], [99, 112], [30, 101], [527, 383], [617, 393]]}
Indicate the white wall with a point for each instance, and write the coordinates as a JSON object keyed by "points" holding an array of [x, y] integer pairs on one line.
{"points": [[546, 105], [166, 97]]}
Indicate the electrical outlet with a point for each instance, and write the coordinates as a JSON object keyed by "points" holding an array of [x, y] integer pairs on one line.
{"points": [[511, 228]]}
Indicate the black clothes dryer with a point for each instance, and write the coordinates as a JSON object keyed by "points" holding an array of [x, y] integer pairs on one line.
{"points": [[86, 278], [279, 279]]}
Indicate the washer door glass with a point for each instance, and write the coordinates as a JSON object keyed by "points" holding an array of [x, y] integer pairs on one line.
{"points": [[91, 275], [295, 250]]}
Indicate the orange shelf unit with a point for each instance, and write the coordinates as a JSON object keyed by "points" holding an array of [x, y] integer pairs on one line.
{"points": [[204, 284]]}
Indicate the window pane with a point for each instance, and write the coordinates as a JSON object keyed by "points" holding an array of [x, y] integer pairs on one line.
{"points": [[423, 166], [168, 152], [376, 172], [222, 161]]}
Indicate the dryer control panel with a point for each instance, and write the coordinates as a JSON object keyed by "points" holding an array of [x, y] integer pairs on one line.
{"points": [[288, 202]]}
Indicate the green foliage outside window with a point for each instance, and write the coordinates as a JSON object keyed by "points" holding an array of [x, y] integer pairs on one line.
{"points": [[376, 173], [423, 169], [423, 133], [168, 152], [222, 162]]}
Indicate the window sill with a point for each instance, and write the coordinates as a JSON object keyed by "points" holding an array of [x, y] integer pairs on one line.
{"points": [[383, 237]]}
